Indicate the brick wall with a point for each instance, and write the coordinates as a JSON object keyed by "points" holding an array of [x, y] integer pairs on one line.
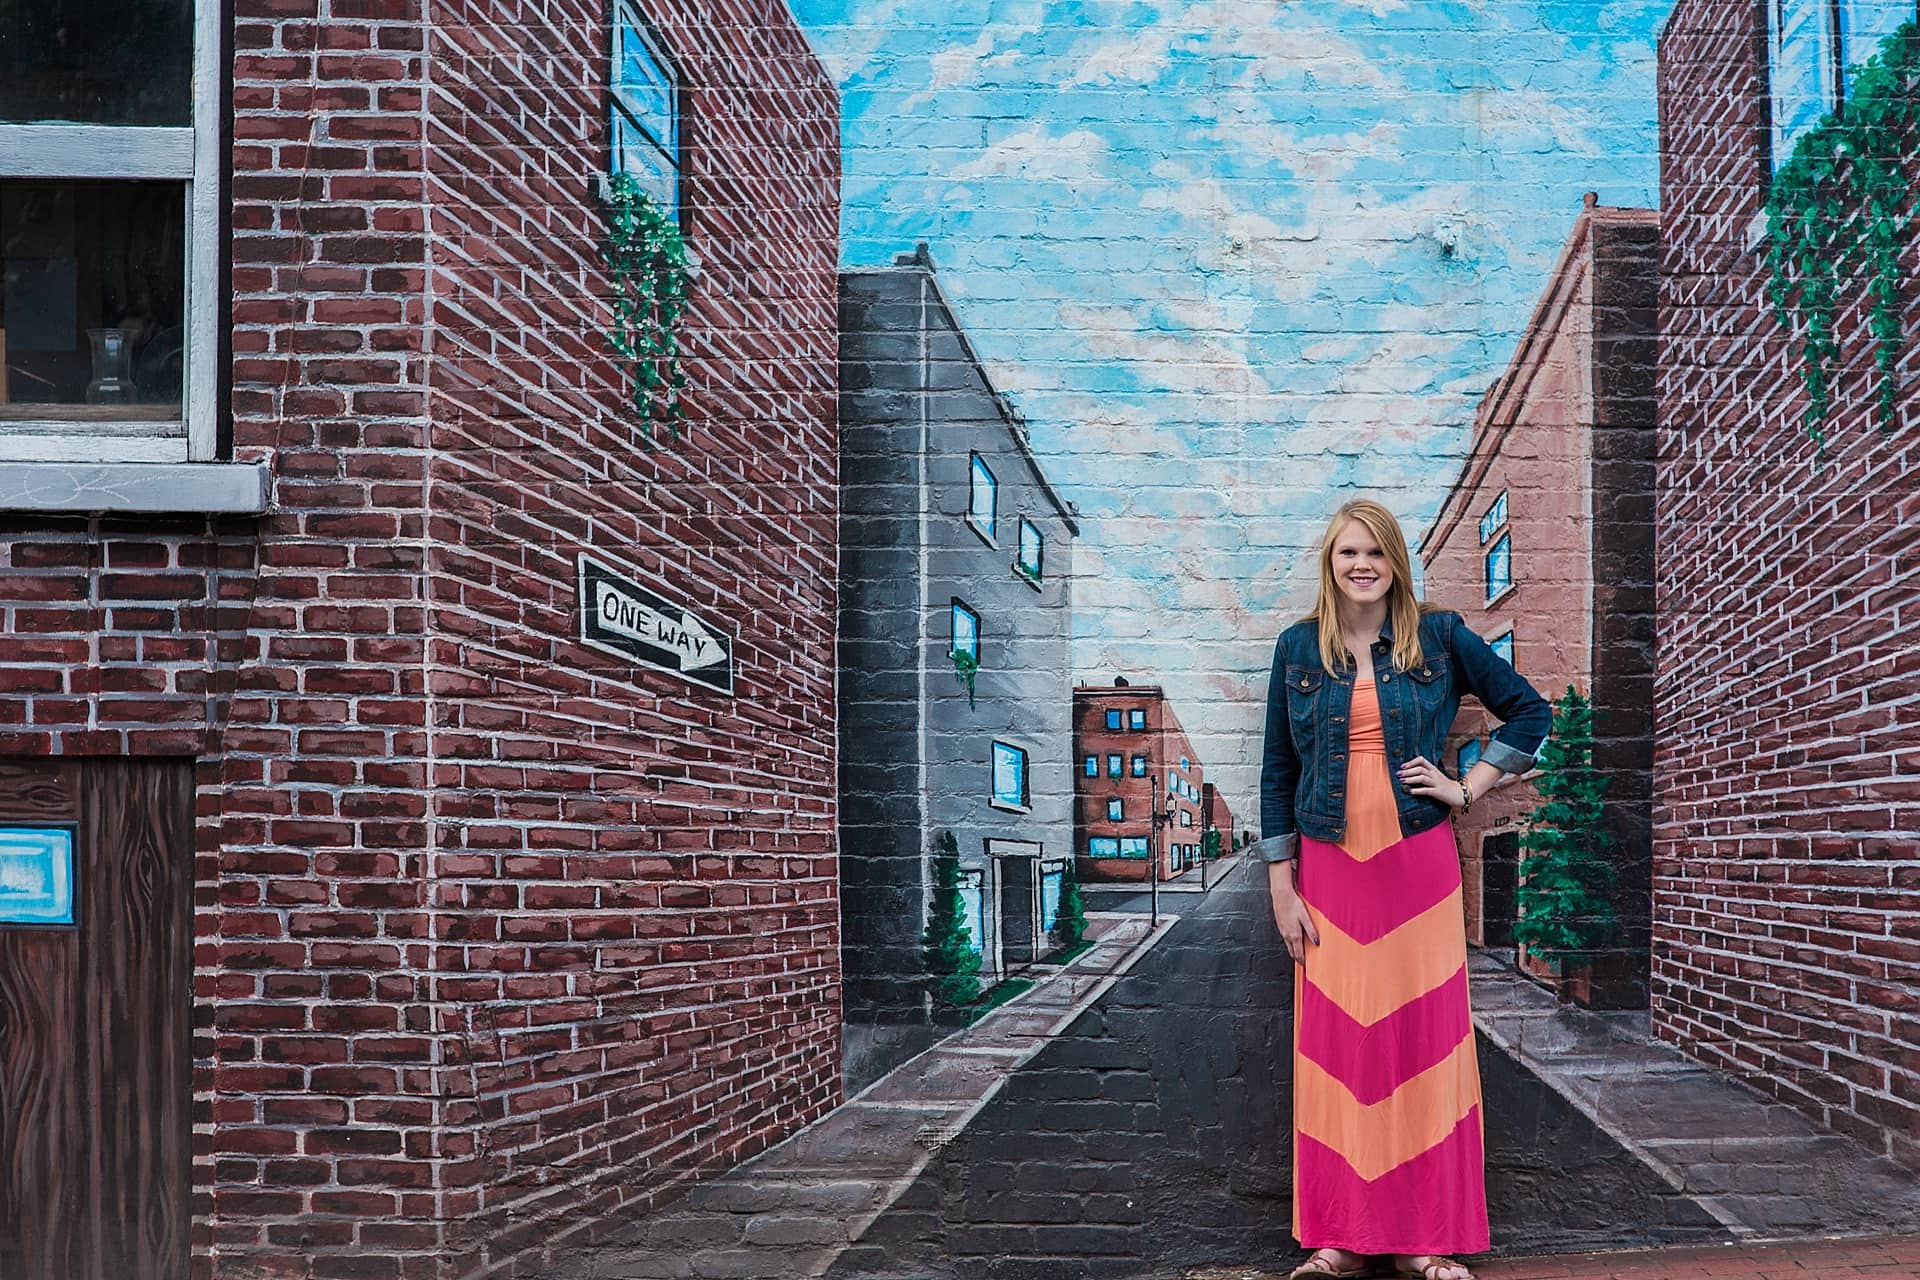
{"points": [[1786, 885], [419, 801]]}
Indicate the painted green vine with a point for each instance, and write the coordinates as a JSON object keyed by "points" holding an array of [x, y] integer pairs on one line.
{"points": [[965, 668], [646, 261], [1839, 205]]}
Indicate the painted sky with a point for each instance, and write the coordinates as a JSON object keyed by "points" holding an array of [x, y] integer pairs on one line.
{"points": [[1198, 244]]}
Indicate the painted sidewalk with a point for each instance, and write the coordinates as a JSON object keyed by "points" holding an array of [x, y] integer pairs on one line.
{"points": [[1886, 1258]]}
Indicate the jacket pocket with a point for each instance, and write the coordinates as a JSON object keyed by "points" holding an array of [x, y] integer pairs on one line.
{"points": [[1304, 691]]}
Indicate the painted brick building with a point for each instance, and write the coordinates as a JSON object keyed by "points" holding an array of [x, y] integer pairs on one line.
{"points": [[1130, 754], [956, 611], [1786, 889], [433, 935], [1545, 546], [1216, 815]]}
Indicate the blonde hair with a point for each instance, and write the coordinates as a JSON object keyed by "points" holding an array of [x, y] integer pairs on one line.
{"points": [[1402, 606]]}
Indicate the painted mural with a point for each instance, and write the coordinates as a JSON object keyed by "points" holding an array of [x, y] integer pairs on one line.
{"points": [[1132, 296]]}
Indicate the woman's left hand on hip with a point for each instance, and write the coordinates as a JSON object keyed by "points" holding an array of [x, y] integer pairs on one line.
{"points": [[1422, 777]]}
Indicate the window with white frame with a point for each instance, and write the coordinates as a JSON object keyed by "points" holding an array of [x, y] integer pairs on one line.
{"points": [[110, 230], [644, 109], [1499, 566], [983, 499], [1495, 516], [1812, 45]]}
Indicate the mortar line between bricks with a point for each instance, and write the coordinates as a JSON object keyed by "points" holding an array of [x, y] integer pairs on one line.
{"points": [[858, 1226]]}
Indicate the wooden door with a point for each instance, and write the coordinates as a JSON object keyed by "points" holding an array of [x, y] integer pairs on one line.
{"points": [[95, 1055]]}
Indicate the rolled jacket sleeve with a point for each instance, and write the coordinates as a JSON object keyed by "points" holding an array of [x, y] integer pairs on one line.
{"points": [[1526, 717], [1279, 770]]}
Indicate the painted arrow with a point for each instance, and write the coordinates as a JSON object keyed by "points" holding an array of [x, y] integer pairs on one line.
{"points": [[678, 632]]}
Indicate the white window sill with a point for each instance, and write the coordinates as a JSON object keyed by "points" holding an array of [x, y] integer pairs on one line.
{"points": [[146, 488]]}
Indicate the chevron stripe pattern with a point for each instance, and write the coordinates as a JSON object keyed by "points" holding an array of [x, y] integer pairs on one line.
{"points": [[1388, 1143]]}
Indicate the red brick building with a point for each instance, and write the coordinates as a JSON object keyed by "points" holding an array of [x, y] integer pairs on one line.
{"points": [[1131, 754], [1216, 816], [1786, 888], [432, 931], [1545, 546]]}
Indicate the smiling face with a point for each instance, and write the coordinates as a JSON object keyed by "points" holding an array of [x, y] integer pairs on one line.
{"points": [[1359, 564]]}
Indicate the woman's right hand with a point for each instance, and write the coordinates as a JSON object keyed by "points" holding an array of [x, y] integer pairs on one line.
{"points": [[1289, 913]]}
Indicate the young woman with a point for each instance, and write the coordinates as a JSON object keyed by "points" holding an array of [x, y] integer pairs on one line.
{"points": [[1355, 811]]}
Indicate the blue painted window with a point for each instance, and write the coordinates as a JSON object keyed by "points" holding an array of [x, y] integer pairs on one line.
{"points": [[1496, 516], [1032, 549], [645, 109], [966, 632], [1113, 766], [1113, 719], [1137, 718], [1811, 46], [1184, 764], [1093, 766], [1051, 879], [36, 875], [974, 907], [1116, 810], [1139, 766], [1469, 755], [1500, 566], [1010, 776], [1186, 817], [1503, 645], [1133, 846], [983, 499], [1103, 847], [1173, 783]]}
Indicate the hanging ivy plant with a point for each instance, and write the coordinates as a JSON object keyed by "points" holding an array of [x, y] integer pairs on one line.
{"points": [[1839, 205], [647, 264], [965, 667]]}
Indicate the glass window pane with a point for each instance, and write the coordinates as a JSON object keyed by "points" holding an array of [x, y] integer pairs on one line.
{"points": [[92, 300], [1103, 847], [1503, 646], [1030, 549], [1009, 774], [1113, 766], [966, 632], [1093, 766], [644, 86], [1113, 719], [97, 62], [973, 906], [1499, 566], [635, 155], [982, 505], [1136, 718], [1116, 810], [1139, 766], [1801, 46], [1865, 24]]}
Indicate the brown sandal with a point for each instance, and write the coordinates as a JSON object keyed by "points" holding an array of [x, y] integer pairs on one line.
{"points": [[1313, 1269], [1433, 1269]]}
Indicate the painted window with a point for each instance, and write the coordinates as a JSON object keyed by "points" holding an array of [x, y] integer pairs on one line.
{"points": [[966, 632], [1469, 755], [983, 499], [1139, 766], [1186, 818], [1116, 810], [644, 109], [973, 905], [1137, 718], [1500, 566], [1811, 46], [1173, 783], [1113, 719], [1052, 878], [1033, 548], [1184, 764], [36, 876], [1103, 847], [1133, 846], [1010, 776], [1113, 766], [110, 239], [1503, 645], [1093, 766], [1496, 516]]}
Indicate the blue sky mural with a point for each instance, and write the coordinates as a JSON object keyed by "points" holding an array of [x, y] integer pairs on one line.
{"points": [[1235, 260]]}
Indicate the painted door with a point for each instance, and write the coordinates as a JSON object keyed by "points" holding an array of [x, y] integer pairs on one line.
{"points": [[95, 1085], [1499, 882]]}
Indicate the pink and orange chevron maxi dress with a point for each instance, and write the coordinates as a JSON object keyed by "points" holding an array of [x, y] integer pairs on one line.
{"points": [[1387, 1136]]}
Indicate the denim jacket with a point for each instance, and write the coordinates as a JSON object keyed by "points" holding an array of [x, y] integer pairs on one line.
{"points": [[1303, 778]]}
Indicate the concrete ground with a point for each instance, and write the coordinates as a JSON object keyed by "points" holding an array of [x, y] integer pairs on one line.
{"points": [[1884, 1258]]}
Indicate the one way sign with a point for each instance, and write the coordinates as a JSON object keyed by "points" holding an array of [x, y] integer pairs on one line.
{"points": [[622, 617]]}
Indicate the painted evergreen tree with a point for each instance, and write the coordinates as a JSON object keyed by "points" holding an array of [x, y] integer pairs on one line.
{"points": [[953, 966], [1210, 843], [1565, 905], [1070, 919]]}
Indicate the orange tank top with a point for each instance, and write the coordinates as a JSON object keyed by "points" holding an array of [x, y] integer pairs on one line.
{"points": [[1365, 733]]}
